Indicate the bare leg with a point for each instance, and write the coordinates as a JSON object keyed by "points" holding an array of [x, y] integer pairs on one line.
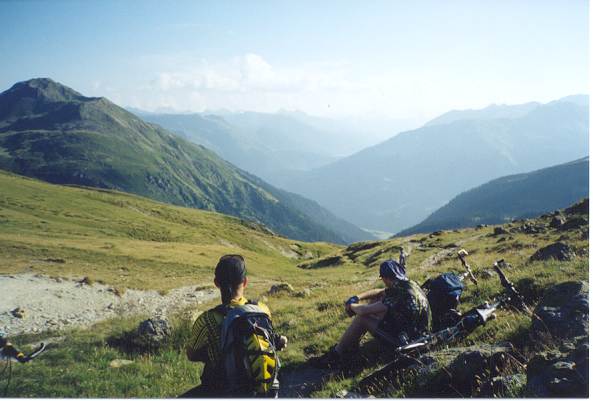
{"points": [[359, 326]]}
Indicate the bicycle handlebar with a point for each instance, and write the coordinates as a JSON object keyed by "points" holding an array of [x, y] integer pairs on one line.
{"points": [[10, 352]]}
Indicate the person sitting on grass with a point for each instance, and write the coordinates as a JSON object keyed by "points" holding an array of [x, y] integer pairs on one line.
{"points": [[396, 314], [230, 276]]}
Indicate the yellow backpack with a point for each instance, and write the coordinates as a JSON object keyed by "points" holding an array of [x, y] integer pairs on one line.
{"points": [[249, 352]]}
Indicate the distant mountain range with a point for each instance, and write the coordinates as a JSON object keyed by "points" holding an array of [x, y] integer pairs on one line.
{"points": [[399, 182], [267, 145], [516, 196], [492, 112], [276, 146], [53, 133]]}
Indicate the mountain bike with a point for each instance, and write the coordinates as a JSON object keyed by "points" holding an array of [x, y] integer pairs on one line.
{"points": [[9, 354]]}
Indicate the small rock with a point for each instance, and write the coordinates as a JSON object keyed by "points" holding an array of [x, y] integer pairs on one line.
{"points": [[503, 264], [502, 386], [500, 231], [351, 394], [304, 293], [86, 281], [18, 313], [282, 287], [557, 221], [55, 260], [118, 363], [487, 273]]}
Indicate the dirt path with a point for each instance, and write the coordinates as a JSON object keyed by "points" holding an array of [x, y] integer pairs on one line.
{"points": [[56, 304], [443, 254]]}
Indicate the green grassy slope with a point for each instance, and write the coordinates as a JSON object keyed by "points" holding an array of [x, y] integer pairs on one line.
{"points": [[516, 196], [127, 240], [55, 134], [98, 232]]}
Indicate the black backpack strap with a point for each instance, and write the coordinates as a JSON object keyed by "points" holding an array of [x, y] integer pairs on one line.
{"points": [[223, 309]]}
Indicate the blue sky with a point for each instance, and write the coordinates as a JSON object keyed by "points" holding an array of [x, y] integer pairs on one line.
{"points": [[395, 59]]}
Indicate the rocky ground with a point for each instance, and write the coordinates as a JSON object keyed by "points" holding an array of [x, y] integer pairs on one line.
{"points": [[35, 303]]}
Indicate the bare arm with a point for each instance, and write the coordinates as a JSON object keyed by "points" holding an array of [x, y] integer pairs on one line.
{"points": [[370, 294], [369, 309]]}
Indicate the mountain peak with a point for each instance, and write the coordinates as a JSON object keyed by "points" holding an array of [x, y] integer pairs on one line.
{"points": [[44, 88], [37, 96]]}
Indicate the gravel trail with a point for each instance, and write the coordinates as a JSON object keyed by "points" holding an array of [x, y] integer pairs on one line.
{"points": [[446, 253], [56, 304]]}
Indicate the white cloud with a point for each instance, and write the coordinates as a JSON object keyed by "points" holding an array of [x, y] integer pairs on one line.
{"points": [[251, 82], [251, 73]]}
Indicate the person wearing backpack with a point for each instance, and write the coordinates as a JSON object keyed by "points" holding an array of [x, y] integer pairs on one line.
{"points": [[235, 340], [395, 315]]}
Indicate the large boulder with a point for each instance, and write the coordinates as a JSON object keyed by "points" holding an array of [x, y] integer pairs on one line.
{"points": [[579, 208], [152, 333], [557, 221], [560, 373], [563, 311], [574, 223], [498, 230], [471, 368], [530, 228], [556, 251]]}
